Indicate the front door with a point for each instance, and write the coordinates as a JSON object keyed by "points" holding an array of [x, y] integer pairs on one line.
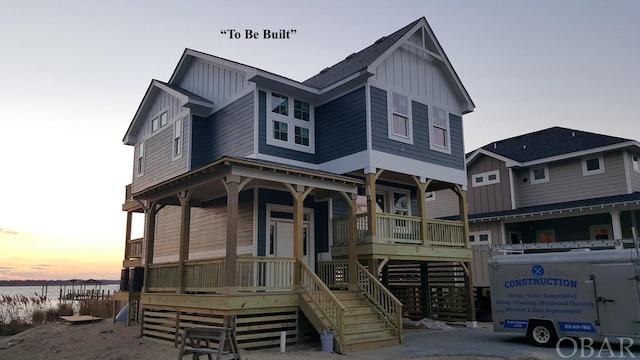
{"points": [[617, 298], [280, 234]]}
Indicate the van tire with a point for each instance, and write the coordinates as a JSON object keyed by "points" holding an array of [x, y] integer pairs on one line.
{"points": [[542, 333]]}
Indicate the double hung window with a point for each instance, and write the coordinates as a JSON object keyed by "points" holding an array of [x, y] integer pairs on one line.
{"points": [[290, 123]]}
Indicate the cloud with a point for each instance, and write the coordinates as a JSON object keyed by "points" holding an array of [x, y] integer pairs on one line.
{"points": [[8, 231], [5, 269]]}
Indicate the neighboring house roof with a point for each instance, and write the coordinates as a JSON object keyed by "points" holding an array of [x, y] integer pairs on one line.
{"points": [[549, 144], [626, 199]]}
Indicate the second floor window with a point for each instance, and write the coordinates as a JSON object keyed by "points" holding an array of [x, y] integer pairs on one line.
{"points": [[592, 165], [400, 126], [177, 138], [539, 174], [159, 121], [140, 159], [439, 130], [290, 123], [636, 163], [486, 178]]}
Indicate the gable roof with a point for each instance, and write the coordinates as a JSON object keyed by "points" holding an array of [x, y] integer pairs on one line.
{"points": [[356, 61], [366, 59], [549, 143]]}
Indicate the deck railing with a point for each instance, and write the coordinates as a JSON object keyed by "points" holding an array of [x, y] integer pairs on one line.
{"points": [[381, 297], [134, 249], [253, 274], [335, 274], [325, 301], [400, 229]]}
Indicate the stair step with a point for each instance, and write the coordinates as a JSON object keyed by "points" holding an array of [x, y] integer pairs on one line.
{"points": [[350, 319], [358, 327]]}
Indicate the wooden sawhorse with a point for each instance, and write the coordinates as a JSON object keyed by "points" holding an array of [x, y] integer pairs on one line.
{"points": [[199, 340]]}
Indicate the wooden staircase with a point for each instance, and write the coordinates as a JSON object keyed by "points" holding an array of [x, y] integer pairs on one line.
{"points": [[363, 327]]}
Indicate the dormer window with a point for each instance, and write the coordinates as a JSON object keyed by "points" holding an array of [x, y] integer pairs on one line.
{"points": [[290, 123]]}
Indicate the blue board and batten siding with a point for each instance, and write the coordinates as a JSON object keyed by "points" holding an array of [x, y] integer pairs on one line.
{"points": [[228, 132], [341, 126], [420, 149]]}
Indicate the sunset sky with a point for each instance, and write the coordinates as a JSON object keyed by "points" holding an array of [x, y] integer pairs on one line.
{"points": [[73, 72]]}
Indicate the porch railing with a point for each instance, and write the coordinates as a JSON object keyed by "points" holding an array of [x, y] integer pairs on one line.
{"points": [[381, 297], [325, 301], [335, 274], [134, 249], [253, 274], [399, 229]]}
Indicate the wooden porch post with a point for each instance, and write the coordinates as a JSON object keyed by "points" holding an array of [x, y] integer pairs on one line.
{"points": [[185, 222], [299, 193], [150, 212], [372, 222], [464, 211], [127, 235], [353, 241], [232, 184], [422, 207], [468, 284]]}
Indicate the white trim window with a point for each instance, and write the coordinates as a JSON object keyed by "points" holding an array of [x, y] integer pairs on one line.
{"points": [[159, 121], [539, 174], [635, 160], [400, 125], [140, 159], [485, 178], [439, 130], [177, 139], [430, 196], [480, 238], [592, 165], [287, 128]]}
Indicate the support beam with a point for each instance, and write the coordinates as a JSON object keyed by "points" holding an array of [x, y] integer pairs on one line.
{"points": [[150, 211], [616, 225], [299, 193], [353, 240], [127, 235], [422, 207], [470, 301], [464, 211], [371, 179], [185, 224], [232, 184]]}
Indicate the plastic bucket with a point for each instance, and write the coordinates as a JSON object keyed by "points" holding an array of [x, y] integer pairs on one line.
{"points": [[326, 340]]}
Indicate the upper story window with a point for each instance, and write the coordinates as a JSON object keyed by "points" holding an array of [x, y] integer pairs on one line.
{"points": [[636, 163], [430, 195], [400, 126], [290, 128], [140, 159], [592, 165], [539, 174], [440, 134], [159, 121], [177, 139], [486, 178]]}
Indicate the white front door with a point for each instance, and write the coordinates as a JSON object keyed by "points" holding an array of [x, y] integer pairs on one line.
{"points": [[280, 234]]}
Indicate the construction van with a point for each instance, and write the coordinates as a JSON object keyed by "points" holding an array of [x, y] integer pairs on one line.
{"points": [[575, 294]]}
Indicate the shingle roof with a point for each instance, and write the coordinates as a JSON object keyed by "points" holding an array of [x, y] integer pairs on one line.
{"points": [[357, 61], [550, 142]]}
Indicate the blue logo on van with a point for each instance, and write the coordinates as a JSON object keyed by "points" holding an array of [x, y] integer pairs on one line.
{"points": [[537, 270]]}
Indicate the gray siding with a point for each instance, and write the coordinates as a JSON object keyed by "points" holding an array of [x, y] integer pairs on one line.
{"points": [[266, 149], [488, 198], [446, 204], [228, 132], [419, 150], [158, 163], [208, 230], [341, 126], [566, 182]]}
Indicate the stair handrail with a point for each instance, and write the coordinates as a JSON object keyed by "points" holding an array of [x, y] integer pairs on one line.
{"points": [[327, 303], [381, 297]]}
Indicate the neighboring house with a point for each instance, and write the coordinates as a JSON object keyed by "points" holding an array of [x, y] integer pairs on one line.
{"points": [[548, 188], [270, 202]]}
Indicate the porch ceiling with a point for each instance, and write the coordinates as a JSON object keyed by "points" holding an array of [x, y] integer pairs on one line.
{"points": [[207, 183]]}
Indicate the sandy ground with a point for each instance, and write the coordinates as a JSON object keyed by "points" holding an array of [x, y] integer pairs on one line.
{"points": [[105, 340]]}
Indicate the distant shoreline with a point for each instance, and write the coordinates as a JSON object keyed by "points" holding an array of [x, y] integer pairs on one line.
{"points": [[53, 282]]}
